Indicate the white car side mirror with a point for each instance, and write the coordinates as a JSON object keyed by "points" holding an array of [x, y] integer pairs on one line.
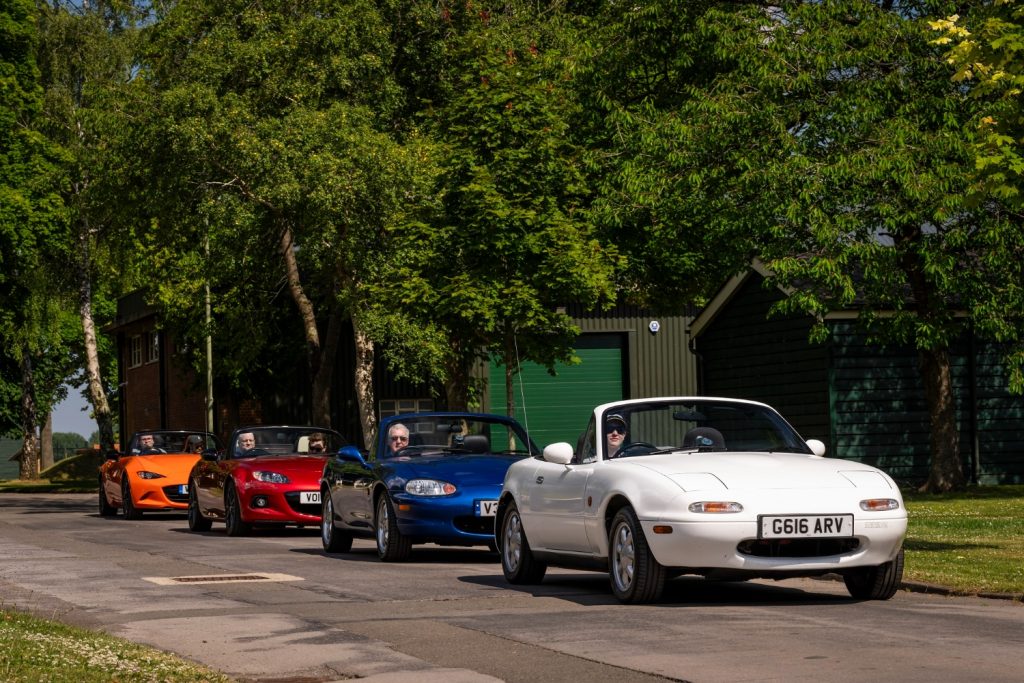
{"points": [[559, 453], [817, 447]]}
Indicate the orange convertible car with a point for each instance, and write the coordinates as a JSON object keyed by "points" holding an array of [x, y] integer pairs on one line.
{"points": [[153, 473]]}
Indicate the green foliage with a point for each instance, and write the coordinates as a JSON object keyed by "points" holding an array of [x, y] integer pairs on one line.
{"points": [[984, 48], [510, 242], [33, 231], [273, 119], [65, 444]]}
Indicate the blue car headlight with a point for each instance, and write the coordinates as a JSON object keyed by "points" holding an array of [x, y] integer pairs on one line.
{"points": [[270, 477], [429, 487], [146, 474]]}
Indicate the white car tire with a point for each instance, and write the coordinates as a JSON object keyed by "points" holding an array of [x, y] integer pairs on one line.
{"points": [[875, 583], [517, 561], [636, 577]]}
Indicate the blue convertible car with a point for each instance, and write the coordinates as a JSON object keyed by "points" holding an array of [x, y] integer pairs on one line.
{"points": [[431, 478]]}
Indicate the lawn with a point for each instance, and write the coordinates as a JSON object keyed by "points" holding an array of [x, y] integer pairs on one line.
{"points": [[35, 650], [972, 542]]}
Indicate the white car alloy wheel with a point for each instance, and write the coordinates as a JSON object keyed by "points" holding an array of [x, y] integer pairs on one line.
{"points": [[517, 561], [623, 557], [635, 575]]}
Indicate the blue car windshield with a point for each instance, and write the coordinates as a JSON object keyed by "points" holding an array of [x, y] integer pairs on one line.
{"points": [[420, 435]]}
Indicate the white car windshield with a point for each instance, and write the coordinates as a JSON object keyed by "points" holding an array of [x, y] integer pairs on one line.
{"points": [[699, 425]]}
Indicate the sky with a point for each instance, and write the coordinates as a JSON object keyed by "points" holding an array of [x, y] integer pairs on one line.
{"points": [[71, 415]]}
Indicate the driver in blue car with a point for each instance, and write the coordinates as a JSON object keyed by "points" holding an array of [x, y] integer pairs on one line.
{"points": [[398, 438], [615, 434]]}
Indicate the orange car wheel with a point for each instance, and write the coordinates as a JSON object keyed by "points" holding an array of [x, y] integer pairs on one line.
{"points": [[106, 509], [127, 504]]}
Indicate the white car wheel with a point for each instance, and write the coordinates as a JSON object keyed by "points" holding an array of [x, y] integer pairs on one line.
{"points": [[636, 576], [517, 561]]}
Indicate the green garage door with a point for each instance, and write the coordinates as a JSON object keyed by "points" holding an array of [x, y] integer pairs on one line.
{"points": [[558, 408]]}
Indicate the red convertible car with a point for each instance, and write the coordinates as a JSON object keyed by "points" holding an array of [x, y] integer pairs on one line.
{"points": [[268, 475]]}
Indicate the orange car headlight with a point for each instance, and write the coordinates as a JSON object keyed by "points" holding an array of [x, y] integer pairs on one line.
{"points": [[145, 474]]}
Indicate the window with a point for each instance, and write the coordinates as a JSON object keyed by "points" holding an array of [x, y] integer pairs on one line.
{"points": [[153, 347], [398, 406], [135, 351]]}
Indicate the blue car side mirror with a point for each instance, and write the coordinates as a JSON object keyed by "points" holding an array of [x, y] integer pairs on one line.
{"points": [[350, 454]]}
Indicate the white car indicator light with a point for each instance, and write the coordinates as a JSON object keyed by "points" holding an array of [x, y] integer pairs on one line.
{"points": [[879, 504], [145, 474], [270, 477], [716, 506], [429, 487]]}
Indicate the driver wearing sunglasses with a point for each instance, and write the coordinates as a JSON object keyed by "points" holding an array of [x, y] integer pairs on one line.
{"points": [[615, 434]]}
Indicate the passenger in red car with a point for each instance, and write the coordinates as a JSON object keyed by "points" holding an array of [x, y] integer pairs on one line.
{"points": [[317, 444]]}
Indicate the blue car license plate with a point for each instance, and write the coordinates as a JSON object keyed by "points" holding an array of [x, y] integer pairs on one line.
{"points": [[486, 508]]}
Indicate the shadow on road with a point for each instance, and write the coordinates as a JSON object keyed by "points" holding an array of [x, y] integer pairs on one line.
{"points": [[587, 589]]}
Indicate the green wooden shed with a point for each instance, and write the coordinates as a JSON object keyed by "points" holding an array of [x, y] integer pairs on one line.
{"points": [[866, 402]]}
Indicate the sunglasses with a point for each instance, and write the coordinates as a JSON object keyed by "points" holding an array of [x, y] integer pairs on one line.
{"points": [[399, 438], [615, 428]]}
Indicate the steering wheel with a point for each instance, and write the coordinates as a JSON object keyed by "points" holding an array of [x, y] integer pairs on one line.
{"points": [[408, 451], [635, 444]]}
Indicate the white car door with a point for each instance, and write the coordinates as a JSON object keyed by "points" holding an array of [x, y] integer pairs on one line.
{"points": [[553, 512]]}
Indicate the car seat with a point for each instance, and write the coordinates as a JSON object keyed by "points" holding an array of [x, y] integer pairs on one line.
{"points": [[477, 443], [704, 439]]}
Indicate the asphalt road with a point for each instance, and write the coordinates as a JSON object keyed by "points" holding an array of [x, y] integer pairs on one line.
{"points": [[274, 608]]}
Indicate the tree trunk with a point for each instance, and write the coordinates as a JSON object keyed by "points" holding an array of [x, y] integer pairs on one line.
{"points": [[456, 385], [29, 462], [320, 385], [511, 370], [946, 472], [46, 443], [94, 377], [364, 384]]}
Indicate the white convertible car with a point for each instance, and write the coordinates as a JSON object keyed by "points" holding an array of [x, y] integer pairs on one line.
{"points": [[723, 488]]}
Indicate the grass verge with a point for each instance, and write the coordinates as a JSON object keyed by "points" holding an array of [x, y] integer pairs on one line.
{"points": [[970, 542], [34, 650]]}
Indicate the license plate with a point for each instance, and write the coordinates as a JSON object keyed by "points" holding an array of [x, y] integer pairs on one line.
{"points": [[183, 489], [309, 498], [804, 526], [486, 508]]}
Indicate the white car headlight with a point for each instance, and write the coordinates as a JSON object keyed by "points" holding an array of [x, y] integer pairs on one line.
{"points": [[879, 504], [429, 487], [146, 474], [270, 477], [716, 507]]}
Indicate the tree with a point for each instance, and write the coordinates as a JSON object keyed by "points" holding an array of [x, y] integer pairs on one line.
{"points": [[826, 137], [984, 50], [273, 116], [510, 242], [86, 58], [31, 230]]}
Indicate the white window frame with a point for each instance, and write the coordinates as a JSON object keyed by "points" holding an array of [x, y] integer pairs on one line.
{"points": [[152, 347], [135, 351], [398, 406]]}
